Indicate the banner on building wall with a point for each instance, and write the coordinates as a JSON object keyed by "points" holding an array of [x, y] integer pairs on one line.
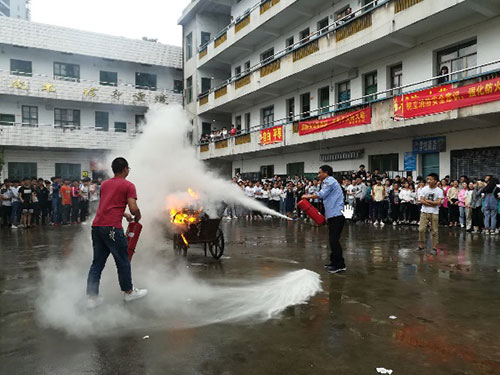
{"points": [[429, 145], [271, 135], [346, 120], [445, 98], [410, 161]]}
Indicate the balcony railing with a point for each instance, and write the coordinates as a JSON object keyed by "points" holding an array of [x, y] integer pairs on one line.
{"points": [[383, 95], [348, 25], [83, 90]]}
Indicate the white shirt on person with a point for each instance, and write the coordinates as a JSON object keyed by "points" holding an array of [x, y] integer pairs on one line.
{"points": [[250, 191], [257, 192], [276, 194], [405, 195], [431, 195]]}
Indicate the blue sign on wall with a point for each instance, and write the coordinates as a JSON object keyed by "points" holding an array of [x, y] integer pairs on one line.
{"points": [[410, 161], [429, 145]]}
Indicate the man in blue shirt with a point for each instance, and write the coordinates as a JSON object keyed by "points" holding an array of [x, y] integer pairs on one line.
{"points": [[333, 199]]}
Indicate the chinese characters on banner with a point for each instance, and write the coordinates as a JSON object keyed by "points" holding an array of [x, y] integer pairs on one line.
{"points": [[429, 145], [271, 135], [356, 118], [445, 98]]}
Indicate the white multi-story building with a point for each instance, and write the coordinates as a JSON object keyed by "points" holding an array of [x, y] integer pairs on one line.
{"points": [[15, 9], [69, 96], [309, 81]]}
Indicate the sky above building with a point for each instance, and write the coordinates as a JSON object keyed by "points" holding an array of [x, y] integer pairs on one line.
{"points": [[129, 18]]}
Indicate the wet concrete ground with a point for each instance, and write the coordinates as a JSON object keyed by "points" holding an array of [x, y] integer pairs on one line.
{"points": [[447, 309]]}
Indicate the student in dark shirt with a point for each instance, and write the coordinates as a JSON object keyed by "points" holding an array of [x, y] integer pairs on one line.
{"points": [[26, 197], [42, 193]]}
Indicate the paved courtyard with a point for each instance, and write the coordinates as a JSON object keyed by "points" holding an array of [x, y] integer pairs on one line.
{"points": [[414, 314]]}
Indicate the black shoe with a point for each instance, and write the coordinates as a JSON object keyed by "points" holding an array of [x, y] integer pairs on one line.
{"points": [[332, 269]]}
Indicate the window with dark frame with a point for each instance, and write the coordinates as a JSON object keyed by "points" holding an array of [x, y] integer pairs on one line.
{"points": [[30, 115], [189, 46], [458, 57], [289, 43], [189, 89], [178, 86], [237, 120], [396, 79], [247, 121], [247, 66], [120, 127], [267, 56], [305, 105], [268, 115], [304, 35], [344, 94], [102, 121], [205, 38], [66, 117], [21, 68], [323, 25], [370, 86], [237, 71], [108, 78], [67, 72], [7, 119], [206, 85], [324, 99], [140, 120], [145, 81], [19, 170]]}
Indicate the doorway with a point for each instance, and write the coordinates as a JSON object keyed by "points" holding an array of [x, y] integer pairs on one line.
{"points": [[430, 164]]}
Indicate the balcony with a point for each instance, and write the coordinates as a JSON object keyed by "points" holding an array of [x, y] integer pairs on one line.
{"points": [[385, 122], [83, 91], [367, 34], [63, 137]]}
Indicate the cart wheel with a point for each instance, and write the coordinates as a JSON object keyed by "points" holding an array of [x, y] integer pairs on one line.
{"points": [[217, 247]]}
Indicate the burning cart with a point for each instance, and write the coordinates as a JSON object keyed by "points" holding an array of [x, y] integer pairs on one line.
{"points": [[195, 227]]}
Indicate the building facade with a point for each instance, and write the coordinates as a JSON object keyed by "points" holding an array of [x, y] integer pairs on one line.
{"points": [[67, 97], [15, 8], [307, 82]]}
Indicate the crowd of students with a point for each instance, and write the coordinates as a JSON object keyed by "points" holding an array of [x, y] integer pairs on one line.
{"points": [[34, 201], [470, 204]]}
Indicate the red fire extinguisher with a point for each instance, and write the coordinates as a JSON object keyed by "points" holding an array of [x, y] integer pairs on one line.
{"points": [[311, 211], [133, 232]]}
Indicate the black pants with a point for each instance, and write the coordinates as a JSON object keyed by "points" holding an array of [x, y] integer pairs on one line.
{"points": [[454, 213], [477, 217], [443, 216], [395, 212], [5, 215], [75, 208], [84, 210], [335, 226], [360, 209], [378, 210]]}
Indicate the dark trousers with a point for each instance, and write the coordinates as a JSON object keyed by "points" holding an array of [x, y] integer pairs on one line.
{"points": [[379, 210], [443, 216], [477, 217], [360, 209], [75, 208], [454, 213], [56, 210], [6, 211], [395, 212], [106, 240], [335, 226], [66, 212], [84, 210]]}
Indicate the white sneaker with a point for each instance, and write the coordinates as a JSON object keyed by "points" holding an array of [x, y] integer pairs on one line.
{"points": [[13, 227], [93, 302], [136, 294], [394, 223], [375, 224], [382, 223]]}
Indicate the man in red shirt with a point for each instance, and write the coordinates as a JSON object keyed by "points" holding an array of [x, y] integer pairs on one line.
{"points": [[108, 236]]}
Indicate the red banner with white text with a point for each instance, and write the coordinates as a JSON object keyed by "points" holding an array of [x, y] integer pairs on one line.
{"points": [[445, 98], [271, 135], [346, 120]]}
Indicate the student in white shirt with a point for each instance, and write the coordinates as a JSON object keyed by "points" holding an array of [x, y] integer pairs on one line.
{"points": [[431, 198]]}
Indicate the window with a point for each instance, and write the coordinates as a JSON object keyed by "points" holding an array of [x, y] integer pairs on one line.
{"points": [[30, 115], [237, 71], [68, 171], [18, 171], [67, 117], [145, 81], [4, 10], [206, 85], [206, 128], [247, 121], [344, 94], [189, 46], [20, 68], [384, 163], [102, 121], [304, 35], [396, 79], [342, 13], [108, 78], [267, 171], [305, 104], [205, 38], [6, 119], [370, 86], [370, 4], [67, 72], [189, 89], [237, 120], [289, 43], [247, 66], [324, 99], [268, 115], [323, 25], [290, 109], [178, 86], [267, 56], [295, 169], [459, 57], [120, 127]]}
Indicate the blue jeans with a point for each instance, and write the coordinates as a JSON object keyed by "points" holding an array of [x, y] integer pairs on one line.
{"points": [[56, 210], [106, 240], [463, 215], [15, 213], [490, 218]]}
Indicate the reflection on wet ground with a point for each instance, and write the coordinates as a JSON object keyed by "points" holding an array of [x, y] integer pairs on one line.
{"points": [[414, 314]]}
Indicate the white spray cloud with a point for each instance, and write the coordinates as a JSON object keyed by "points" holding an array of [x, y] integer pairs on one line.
{"points": [[162, 165]]}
